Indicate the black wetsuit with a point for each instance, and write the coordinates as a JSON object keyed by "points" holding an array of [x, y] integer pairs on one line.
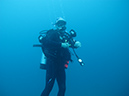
{"points": [[56, 58]]}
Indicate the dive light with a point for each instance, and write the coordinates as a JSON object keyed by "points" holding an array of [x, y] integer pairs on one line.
{"points": [[81, 62]]}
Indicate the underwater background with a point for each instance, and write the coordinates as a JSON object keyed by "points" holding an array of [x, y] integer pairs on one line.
{"points": [[102, 27]]}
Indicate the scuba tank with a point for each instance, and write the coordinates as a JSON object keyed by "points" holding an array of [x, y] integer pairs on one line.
{"points": [[43, 61]]}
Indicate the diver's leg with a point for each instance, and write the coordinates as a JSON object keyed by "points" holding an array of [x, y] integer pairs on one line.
{"points": [[50, 78], [61, 80], [49, 85]]}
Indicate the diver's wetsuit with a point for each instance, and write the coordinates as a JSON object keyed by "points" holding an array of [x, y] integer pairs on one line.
{"points": [[56, 58]]}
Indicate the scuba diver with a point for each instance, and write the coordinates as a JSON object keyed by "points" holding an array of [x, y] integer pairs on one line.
{"points": [[55, 46]]}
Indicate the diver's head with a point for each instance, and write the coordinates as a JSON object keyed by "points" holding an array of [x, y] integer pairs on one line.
{"points": [[60, 24]]}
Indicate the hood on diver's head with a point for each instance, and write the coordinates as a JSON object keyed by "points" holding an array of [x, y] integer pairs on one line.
{"points": [[60, 22]]}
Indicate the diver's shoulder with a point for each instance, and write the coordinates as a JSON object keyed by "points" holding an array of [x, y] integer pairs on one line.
{"points": [[52, 30]]}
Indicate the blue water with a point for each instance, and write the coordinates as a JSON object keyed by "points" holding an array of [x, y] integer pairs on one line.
{"points": [[102, 27]]}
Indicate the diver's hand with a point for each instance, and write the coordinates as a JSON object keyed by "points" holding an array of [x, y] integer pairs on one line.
{"points": [[65, 45], [77, 44]]}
